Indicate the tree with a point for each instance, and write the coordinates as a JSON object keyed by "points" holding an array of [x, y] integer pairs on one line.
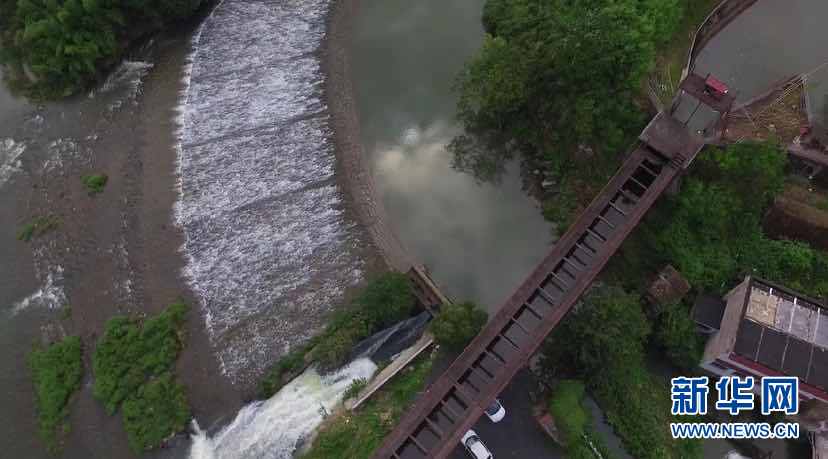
{"points": [[457, 324], [676, 334], [64, 43], [712, 232], [602, 343], [386, 300], [609, 326], [554, 75]]}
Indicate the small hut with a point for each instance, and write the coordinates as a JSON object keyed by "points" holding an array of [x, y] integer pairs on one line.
{"points": [[668, 287]]}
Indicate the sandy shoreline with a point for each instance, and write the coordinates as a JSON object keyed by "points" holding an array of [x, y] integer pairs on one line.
{"points": [[353, 167]]}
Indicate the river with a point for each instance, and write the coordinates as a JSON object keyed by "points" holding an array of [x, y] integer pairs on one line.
{"points": [[478, 240], [226, 190]]}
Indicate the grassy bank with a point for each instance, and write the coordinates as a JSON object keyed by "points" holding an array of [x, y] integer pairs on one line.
{"points": [[671, 57], [574, 421], [57, 371], [133, 365], [357, 434], [383, 301]]}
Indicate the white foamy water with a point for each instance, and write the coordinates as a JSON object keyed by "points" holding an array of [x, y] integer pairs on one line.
{"points": [[50, 295], [10, 152], [275, 428], [124, 84], [269, 247]]}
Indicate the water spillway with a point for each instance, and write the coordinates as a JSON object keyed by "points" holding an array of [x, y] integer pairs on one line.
{"points": [[269, 244], [277, 427]]}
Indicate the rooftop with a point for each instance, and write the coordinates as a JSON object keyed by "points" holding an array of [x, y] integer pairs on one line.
{"points": [[785, 332], [708, 310]]}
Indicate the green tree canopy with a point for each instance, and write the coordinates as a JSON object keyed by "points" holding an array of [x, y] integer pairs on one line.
{"points": [[556, 74], [602, 343], [712, 231], [457, 324], [65, 42]]}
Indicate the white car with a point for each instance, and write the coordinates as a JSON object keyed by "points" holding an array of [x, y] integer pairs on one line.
{"points": [[495, 411], [475, 446]]}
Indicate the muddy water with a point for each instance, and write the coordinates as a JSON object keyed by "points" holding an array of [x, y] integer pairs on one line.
{"points": [[215, 140], [114, 253], [478, 240]]}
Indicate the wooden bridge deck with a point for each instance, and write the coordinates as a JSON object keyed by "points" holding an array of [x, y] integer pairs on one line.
{"points": [[432, 428]]}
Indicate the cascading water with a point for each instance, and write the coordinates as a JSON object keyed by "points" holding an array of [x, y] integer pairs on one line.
{"points": [[269, 246], [276, 428], [384, 345]]}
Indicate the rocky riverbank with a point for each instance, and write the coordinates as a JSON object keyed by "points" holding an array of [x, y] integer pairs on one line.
{"points": [[353, 167]]}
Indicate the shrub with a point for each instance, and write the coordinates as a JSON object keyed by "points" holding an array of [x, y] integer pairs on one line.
{"points": [[357, 434], [382, 302], [56, 372], [355, 388], [676, 335], [95, 183], [575, 422], [457, 324], [37, 227], [133, 362], [157, 410]]}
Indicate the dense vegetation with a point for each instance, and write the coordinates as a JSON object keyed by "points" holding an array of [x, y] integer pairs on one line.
{"points": [[382, 302], [457, 324], [574, 421], [158, 410], [56, 372], [555, 80], [712, 231], [675, 333], [133, 365], [63, 43], [611, 359], [357, 434]]}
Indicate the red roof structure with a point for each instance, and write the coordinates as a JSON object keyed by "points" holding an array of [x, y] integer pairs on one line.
{"points": [[716, 86]]}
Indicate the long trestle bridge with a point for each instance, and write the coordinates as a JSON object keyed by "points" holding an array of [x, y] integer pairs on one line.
{"points": [[433, 427]]}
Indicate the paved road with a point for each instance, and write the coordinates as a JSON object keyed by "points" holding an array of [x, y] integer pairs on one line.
{"points": [[517, 435]]}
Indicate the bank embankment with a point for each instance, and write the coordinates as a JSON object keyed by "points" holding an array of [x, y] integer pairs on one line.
{"points": [[353, 167]]}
